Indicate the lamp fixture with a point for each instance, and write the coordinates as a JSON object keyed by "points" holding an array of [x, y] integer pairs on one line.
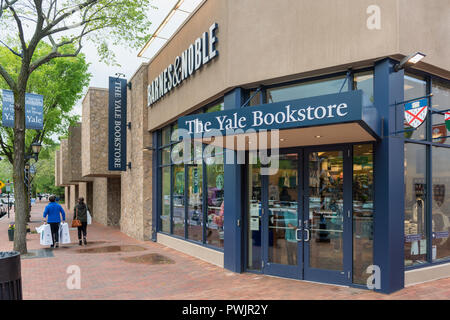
{"points": [[318, 137], [36, 147], [411, 59]]}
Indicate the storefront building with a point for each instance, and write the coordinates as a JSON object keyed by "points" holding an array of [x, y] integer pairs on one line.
{"points": [[357, 189]]}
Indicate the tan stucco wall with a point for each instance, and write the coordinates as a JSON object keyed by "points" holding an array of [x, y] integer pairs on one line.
{"points": [[100, 207], [105, 203], [94, 134], [75, 152], [266, 41], [65, 169], [137, 182], [74, 195], [67, 201], [57, 162]]}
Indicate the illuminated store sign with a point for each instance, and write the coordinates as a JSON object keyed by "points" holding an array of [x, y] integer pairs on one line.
{"points": [[202, 51]]}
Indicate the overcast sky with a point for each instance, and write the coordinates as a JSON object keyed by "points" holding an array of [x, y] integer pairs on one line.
{"points": [[127, 57]]}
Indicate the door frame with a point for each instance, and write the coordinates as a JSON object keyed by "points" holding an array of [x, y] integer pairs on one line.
{"points": [[276, 269], [344, 276]]}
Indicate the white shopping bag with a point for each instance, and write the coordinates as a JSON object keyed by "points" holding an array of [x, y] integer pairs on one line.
{"points": [[89, 218], [45, 235], [64, 235]]}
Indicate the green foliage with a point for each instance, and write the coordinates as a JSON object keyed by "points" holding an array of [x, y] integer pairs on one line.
{"points": [[60, 81], [44, 179]]}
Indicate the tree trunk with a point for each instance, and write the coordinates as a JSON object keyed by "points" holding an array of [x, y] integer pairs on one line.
{"points": [[21, 203]]}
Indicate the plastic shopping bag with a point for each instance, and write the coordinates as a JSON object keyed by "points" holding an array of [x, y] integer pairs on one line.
{"points": [[45, 235], [89, 218], [64, 235]]}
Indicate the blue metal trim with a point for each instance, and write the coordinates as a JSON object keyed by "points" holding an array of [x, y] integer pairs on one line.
{"points": [[155, 187], [429, 178], [205, 197], [389, 180], [233, 197]]}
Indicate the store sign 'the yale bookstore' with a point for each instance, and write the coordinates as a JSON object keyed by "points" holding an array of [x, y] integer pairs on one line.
{"points": [[321, 110], [202, 51], [117, 124]]}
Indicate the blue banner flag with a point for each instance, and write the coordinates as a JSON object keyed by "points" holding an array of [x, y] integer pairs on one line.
{"points": [[117, 121], [34, 110]]}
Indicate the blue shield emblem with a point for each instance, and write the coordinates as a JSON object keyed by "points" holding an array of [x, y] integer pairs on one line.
{"points": [[416, 112]]}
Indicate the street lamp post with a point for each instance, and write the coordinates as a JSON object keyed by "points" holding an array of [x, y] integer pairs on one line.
{"points": [[35, 149]]}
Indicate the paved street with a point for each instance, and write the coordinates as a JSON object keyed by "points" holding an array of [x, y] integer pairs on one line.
{"points": [[107, 276]]}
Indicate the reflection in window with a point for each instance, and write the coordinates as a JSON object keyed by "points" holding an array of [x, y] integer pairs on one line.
{"points": [[415, 204], [255, 98], [195, 202], [215, 213], [441, 204], [362, 211], [283, 211], [364, 81], [254, 216], [415, 87], [326, 204], [440, 101], [165, 203], [306, 89], [215, 108], [178, 200]]}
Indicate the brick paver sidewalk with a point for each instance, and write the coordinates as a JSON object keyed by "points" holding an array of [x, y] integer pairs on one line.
{"points": [[107, 276]]}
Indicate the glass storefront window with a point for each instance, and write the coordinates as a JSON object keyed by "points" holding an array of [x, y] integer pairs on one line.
{"points": [[195, 202], [441, 204], [306, 89], [215, 108], [215, 211], [254, 197], [362, 211], [165, 201], [415, 204], [165, 136], [415, 87], [178, 215], [283, 211], [364, 81], [440, 101], [256, 98]]}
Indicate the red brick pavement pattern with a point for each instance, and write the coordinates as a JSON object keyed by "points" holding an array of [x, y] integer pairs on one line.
{"points": [[106, 276]]}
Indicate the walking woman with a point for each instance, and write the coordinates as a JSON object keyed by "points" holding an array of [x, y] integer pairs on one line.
{"points": [[54, 211], [80, 213]]}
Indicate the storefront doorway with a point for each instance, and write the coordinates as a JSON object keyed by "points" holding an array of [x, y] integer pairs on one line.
{"points": [[299, 222]]}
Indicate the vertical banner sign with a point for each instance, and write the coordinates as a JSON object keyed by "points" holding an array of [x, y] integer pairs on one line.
{"points": [[117, 132], [34, 110]]}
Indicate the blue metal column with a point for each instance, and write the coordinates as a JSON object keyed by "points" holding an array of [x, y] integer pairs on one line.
{"points": [[155, 190], [234, 197], [389, 178]]}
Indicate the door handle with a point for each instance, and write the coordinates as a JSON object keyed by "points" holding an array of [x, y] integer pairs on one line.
{"points": [[296, 235], [307, 235]]}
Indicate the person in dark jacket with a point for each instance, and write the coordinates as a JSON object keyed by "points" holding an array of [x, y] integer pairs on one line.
{"points": [[80, 213], [53, 212]]}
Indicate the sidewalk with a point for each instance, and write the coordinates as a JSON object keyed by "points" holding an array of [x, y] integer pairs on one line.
{"points": [[107, 276]]}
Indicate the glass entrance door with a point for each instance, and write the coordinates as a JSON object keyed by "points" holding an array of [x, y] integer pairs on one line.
{"points": [[299, 222], [327, 212], [282, 255]]}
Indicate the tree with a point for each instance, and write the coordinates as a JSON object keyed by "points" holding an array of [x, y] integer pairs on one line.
{"points": [[44, 179], [64, 25], [61, 82]]}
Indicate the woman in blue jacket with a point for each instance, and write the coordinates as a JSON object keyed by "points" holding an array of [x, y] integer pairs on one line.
{"points": [[54, 211]]}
